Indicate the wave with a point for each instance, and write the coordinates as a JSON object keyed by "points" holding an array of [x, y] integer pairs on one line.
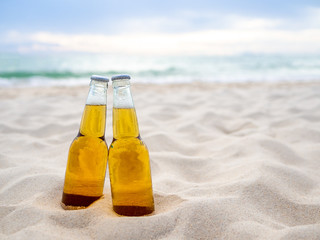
{"points": [[76, 69], [53, 74], [70, 74]]}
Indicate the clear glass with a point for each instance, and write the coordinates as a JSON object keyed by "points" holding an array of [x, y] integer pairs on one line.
{"points": [[129, 163], [88, 153]]}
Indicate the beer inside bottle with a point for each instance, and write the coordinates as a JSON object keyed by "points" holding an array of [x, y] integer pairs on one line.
{"points": [[86, 167], [129, 164]]}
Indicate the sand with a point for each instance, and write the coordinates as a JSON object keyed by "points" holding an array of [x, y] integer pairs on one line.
{"points": [[229, 161]]}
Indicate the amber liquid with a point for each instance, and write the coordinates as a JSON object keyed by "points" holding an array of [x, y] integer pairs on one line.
{"points": [[85, 173], [129, 166]]}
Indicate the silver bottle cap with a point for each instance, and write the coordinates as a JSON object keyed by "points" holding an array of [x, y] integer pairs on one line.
{"points": [[121, 77], [99, 78]]}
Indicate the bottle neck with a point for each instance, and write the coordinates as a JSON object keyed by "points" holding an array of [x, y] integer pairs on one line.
{"points": [[125, 122], [122, 97], [98, 93], [93, 120]]}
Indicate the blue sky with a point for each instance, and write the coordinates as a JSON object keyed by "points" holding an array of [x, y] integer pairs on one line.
{"points": [[161, 27]]}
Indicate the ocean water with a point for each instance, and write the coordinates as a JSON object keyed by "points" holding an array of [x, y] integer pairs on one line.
{"points": [[65, 69]]}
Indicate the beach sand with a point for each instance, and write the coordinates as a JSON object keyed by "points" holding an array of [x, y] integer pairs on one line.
{"points": [[229, 161]]}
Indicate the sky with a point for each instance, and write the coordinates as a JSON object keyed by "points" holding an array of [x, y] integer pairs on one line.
{"points": [[177, 27]]}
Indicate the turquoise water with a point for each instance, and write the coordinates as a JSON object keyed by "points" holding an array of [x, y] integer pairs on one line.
{"points": [[75, 68]]}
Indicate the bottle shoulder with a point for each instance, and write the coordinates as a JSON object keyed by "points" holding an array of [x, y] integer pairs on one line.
{"points": [[128, 144], [83, 141]]}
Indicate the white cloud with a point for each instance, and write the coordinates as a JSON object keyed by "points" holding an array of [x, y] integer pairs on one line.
{"points": [[242, 35], [218, 42], [239, 22], [189, 21], [151, 25], [312, 18]]}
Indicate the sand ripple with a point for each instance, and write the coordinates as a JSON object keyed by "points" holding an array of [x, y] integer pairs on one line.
{"points": [[228, 162]]}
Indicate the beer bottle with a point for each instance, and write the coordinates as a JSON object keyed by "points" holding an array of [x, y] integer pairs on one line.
{"points": [[129, 165], [86, 167]]}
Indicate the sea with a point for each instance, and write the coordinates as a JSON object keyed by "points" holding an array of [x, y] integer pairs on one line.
{"points": [[73, 69]]}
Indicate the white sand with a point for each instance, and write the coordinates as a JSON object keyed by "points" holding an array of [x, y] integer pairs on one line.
{"points": [[228, 162]]}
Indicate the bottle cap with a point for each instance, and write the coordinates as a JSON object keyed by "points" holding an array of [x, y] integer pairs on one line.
{"points": [[99, 78], [121, 77]]}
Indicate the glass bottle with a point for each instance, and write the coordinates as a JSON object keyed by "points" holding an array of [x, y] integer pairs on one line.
{"points": [[129, 164], [88, 153]]}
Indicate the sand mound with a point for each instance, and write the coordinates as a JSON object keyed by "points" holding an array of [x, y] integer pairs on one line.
{"points": [[228, 162]]}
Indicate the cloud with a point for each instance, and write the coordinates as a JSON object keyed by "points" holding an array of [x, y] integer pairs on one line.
{"points": [[239, 35], [209, 42], [185, 21], [312, 18], [239, 22]]}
